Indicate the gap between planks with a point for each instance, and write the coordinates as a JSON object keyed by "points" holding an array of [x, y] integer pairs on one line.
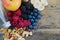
{"points": [[49, 31]]}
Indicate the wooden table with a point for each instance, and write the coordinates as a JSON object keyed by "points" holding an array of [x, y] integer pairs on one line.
{"points": [[49, 25]]}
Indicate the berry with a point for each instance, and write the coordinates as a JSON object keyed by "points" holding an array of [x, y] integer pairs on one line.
{"points": [[35, 27], [30, 27], [18, 12], [30, 16], [24, 16], [33, 24], [15, 18], [36, 10], [10, 19], [27, 8], [23, 8], [9, 14], [36, 20], [26, 23], [14, 23], [38, 17], [17, 26], [31, 13], [20, 18], [33, 17], [32, 20], [35, 14], [28, 12], [21, 24]]}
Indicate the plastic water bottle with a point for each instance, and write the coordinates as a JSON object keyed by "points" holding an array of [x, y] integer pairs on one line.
{"points": [[5, 23]]}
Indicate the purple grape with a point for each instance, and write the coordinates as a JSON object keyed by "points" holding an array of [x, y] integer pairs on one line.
{"points": [[39, 16], [36, 10], [35, 14], [35, 27], [30, 27], [30, 16], [33, 24], [32, 20], [33, 17], [31, 13], [36, 20]]}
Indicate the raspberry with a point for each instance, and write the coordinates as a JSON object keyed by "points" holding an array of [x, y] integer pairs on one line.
{"points": [[18, 12], [17, 26], [9, 14], [15, 18], [29, 22], [10, 19], [26, 23], [14, 23], [20, 19], [21, 24]]}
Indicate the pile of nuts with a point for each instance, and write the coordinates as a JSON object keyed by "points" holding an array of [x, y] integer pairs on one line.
{"points": [[15, 34]]}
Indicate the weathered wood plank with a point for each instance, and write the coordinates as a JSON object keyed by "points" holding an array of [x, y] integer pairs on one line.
{"points": [[49, 31], [51, 15], [49, 25]]}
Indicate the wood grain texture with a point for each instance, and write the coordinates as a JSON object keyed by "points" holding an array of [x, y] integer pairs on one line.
{"points": [[49, 25], [51, 15]]}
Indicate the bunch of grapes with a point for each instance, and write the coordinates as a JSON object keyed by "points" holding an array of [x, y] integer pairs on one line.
{"points": [[34, 18]]}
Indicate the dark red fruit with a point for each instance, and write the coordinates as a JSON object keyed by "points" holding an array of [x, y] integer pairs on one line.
{"points": [[10, 19], [26, 23], [9, 14], [15, 18], [18, 12], [21, 24], [14, 23], [20, 19], [17, 26]]}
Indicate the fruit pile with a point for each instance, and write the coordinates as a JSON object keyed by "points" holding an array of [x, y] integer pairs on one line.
{"points": [[23, 17], [30, 13], [26, 16]]}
